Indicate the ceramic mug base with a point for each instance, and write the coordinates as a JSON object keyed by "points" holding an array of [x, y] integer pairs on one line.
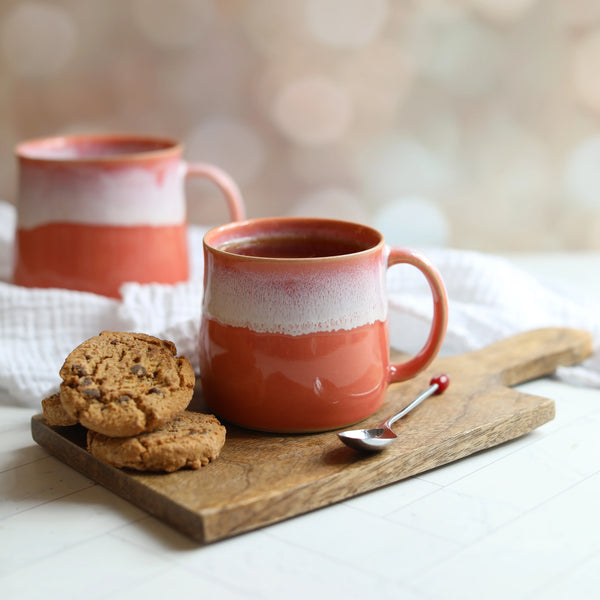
{"points": [[106, 256], [293, 384]]}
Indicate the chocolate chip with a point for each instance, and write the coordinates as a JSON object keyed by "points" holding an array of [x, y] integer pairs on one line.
{"points": [[87, 381], [79, 370], [138, 370], [91, 392], [155, 390], [123, 399]]}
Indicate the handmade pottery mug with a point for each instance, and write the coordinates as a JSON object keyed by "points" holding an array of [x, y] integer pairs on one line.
{"points": [[294, 334], [96, 211]]}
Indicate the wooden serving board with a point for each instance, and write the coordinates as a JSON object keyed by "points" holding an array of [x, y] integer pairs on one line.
{"points": [[262, 478]]}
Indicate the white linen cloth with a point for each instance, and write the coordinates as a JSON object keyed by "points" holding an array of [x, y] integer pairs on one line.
{"points": [[489, 299]]}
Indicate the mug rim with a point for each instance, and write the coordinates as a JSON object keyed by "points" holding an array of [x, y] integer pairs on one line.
{"points": [[163, 147], [289, 222]]}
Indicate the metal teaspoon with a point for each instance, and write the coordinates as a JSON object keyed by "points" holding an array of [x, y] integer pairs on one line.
{"points": [[377, 438]]}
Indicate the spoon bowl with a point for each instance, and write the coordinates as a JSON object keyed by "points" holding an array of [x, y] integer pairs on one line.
{"points": [[377, 438]]}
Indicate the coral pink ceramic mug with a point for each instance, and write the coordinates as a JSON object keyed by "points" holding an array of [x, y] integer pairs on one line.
{"points": [[96, 211], [294, 334]]}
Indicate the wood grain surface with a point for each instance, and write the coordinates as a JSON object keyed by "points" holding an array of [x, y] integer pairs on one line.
{"points": [[262, 478]]}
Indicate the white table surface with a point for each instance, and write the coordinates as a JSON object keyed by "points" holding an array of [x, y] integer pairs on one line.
{"points": [[521, 520]]}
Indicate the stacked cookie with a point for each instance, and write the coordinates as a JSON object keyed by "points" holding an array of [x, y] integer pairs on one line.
{"points": [[130, 390]]}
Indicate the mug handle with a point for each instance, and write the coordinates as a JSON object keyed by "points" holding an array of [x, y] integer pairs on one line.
{"points": [[402, 371], [224, 182]]}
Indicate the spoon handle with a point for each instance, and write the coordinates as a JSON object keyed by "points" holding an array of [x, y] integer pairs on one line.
{"points": [[437, 385]]}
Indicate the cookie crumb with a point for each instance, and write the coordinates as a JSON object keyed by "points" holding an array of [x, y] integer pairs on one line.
{"points": [[55, 413]]}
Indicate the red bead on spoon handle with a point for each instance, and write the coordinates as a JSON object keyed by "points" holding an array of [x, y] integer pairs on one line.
{"points": [[442, 381]]}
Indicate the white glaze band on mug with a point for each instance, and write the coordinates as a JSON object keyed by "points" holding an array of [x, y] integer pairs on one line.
{"points": [[297, 296]]}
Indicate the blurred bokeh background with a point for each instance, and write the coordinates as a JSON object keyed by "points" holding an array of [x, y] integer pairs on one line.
{"points": [[463, 123]]}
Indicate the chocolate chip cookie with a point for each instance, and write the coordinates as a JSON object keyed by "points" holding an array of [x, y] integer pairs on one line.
{"points": [[190, 440], [54, 412], [122, 384]]}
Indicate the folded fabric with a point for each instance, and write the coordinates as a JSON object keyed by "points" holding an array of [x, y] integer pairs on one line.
{"points": [[490, 299]]}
